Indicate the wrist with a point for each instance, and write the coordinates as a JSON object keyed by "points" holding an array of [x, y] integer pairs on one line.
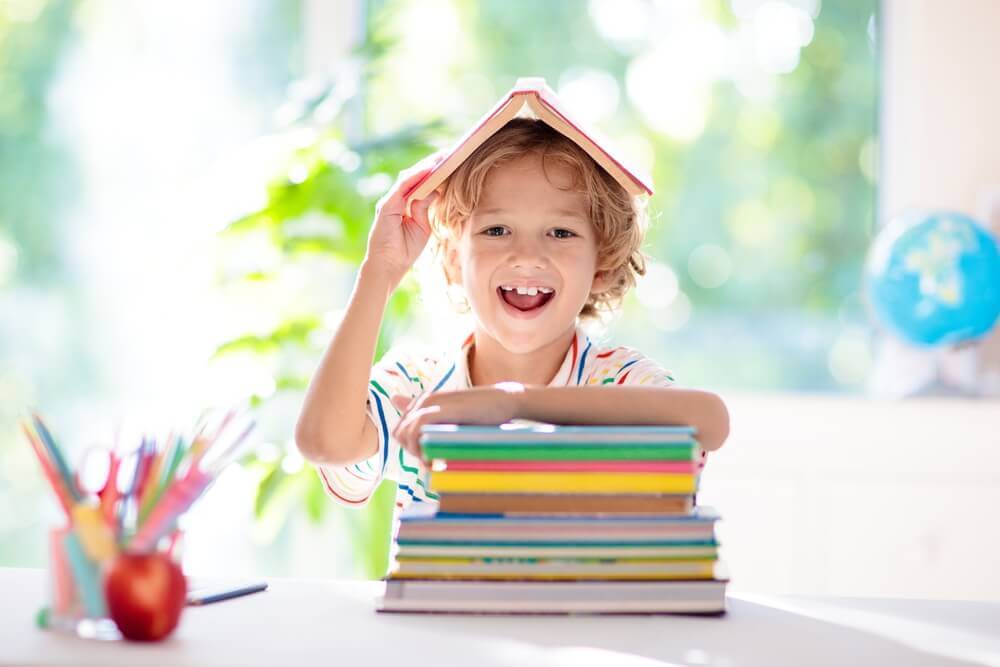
{"points": [[378, 277], [515, 393]]}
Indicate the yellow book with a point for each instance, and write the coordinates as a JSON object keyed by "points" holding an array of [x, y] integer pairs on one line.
{"points": [[462, 481]]}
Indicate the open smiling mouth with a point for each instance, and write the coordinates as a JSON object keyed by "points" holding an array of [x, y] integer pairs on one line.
{"points": [[526, 300]]}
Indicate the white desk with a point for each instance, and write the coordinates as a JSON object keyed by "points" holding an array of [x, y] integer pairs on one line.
{"points": [[299, 622]]}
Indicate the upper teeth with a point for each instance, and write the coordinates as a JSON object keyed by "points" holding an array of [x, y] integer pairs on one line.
{"points": [[530, 291]]}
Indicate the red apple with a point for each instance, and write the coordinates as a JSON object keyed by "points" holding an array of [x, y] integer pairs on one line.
{"points": [[145, 593]]}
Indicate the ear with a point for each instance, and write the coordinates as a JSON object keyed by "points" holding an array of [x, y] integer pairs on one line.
{"points": [[452, 263], [601, 282]]}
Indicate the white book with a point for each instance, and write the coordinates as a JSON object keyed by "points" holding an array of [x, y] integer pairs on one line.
{"points": [[558, 597]]}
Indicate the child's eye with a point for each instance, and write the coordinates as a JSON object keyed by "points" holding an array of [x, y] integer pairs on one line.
{"points": [[563, 233], [494, 231]]}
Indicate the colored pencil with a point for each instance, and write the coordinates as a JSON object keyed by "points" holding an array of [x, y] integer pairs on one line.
{"points": [[54, 479], [56, 457], [175, 502]]}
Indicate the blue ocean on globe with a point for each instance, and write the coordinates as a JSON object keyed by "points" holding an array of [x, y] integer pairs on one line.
{"points": [[934, 278]]}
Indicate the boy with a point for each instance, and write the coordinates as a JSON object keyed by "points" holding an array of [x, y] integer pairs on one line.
{"points": [[539, 236]]}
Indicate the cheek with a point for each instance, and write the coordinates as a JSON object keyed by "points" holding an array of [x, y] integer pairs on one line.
{"points": [[478, 265], [580, 262]]}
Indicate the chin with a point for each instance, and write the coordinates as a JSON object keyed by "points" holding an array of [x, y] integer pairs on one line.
{"points": [[523, 337], [522, 342]]}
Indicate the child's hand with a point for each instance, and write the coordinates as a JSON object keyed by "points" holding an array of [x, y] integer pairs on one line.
{"points": [[479, 405], [396, 240]]}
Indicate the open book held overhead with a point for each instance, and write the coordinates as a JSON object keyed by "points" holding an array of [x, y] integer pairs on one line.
{"points": [[532, 97]]}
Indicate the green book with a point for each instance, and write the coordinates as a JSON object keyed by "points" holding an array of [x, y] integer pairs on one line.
{"points": [[526, 432]]}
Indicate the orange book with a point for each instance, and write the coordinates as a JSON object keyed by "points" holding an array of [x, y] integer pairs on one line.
{"points": [[532, 97]]}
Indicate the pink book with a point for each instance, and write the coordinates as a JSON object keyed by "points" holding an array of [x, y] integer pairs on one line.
{"points": [[533, 96], [681, 467]]}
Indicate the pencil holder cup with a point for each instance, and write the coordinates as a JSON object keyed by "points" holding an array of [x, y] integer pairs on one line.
{"points": [[76, 593], [136, 595], [114, 571]]}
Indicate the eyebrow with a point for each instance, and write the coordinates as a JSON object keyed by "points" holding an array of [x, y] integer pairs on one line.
{"points": [[555, 213]]}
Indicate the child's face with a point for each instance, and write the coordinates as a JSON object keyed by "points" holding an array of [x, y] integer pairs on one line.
{"points": [[526, 232]]}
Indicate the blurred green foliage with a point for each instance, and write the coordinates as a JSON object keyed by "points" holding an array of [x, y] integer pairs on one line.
{"points": [[321, 205], [39, 181], [49, 357], [39, 175]]}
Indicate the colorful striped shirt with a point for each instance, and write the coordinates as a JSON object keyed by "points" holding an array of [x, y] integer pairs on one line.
{"points": [[402, 373]]}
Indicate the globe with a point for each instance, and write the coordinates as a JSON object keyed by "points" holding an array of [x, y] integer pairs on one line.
{"points": [[934, 278]]}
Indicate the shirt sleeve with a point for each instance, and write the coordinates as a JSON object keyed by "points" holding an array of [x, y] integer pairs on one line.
{"points": [[397, 374], [624, 365]]}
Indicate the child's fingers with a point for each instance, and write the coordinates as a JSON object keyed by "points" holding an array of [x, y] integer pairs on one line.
{"points": [[407, 180], [402, 403], [392, 201], [414, 448], [415, 421], [420, 209], [409, 176], [409, 441]]}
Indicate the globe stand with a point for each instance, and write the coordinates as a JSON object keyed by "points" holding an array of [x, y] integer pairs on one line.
{"points": [[903, 370], [955, 373]]}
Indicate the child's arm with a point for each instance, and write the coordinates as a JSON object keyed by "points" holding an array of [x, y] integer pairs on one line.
{"points": [[333, 427], [630, 405], [569, 405]]}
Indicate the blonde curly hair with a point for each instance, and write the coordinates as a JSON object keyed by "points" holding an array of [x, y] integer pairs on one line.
{"points": [[619, 219]]}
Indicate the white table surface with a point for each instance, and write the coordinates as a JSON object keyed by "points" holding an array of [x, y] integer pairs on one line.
{"points": [[299, 622]]}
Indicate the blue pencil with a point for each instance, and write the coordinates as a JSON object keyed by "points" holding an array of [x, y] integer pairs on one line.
{"points": [[57, 457], [197, 598]]}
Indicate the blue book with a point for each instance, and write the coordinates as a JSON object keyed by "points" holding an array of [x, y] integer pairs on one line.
{"points": [[534, 433]]}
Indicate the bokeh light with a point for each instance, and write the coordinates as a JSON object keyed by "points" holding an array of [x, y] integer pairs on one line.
{"points": [[710, 266], [751, 223], [780, 32], [591, 93], [850, 357], [868, 160], [671, 83], [626, 24], [659, 287], [8, 261], [675, 316]]}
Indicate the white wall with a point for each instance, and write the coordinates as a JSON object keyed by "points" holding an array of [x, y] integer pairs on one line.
{"points": [[851, 496], [940, 124]]}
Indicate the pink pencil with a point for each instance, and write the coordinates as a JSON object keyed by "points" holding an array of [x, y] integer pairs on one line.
{"points": [[174, 502]]}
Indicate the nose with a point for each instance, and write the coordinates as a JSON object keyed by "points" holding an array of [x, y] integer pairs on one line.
{"points": [[527, 253]]}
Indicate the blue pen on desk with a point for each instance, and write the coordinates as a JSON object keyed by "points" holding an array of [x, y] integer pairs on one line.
{"points": [[208, 596]]}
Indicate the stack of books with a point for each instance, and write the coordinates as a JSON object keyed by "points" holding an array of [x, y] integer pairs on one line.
{"points": [[537, 518]]}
